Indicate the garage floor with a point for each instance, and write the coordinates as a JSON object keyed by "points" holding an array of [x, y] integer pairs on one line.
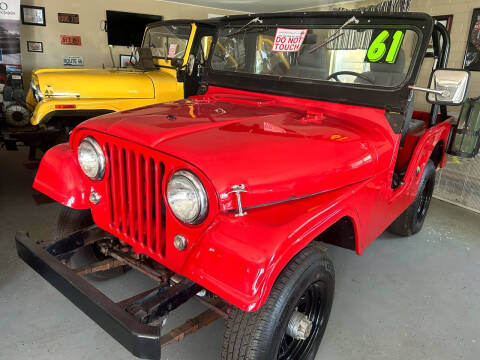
{"points": [[412, 298]]}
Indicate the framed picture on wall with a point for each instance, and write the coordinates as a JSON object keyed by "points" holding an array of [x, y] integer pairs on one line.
{"points": [[445, 20], [32, 15], [35, 46], [472, 51]]}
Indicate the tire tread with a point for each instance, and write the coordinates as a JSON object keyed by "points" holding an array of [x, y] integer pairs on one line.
{"points": [[242, 335]]}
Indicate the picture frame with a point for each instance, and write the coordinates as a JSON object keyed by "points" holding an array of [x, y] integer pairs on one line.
{"points": [[126, 62], [35, 46], [471, 61], [32, 15], [67, 18], [445, 20]]}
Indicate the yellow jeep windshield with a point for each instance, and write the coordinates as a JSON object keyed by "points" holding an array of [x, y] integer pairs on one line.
{"points": [[368, 55], [167, 41]]}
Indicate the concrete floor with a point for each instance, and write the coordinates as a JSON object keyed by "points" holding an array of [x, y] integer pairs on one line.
{"points": [[405, 298]]}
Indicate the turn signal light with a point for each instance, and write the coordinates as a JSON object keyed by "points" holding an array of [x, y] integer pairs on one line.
{"points": [[65, 106]]}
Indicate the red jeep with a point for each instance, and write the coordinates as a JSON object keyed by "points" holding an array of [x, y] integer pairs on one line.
{"points": [[303, 133]]}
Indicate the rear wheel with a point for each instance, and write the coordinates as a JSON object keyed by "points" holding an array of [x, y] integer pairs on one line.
{"points": [[411, 221], [291, 323], [71, 220]]}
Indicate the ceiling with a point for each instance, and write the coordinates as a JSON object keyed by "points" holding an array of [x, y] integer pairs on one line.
{"points": [[253, 6]]}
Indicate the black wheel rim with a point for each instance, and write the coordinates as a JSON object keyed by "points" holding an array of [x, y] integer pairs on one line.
{"points": [[424, 201], [312, 304]]}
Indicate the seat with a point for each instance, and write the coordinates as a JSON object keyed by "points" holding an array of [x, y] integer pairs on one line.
{"points": [[310, 65], [415, 125], [385, 74]]}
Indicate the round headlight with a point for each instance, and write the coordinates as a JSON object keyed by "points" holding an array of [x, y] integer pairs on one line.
{"points": [[187, 197], [36, 91], [91, 159]]}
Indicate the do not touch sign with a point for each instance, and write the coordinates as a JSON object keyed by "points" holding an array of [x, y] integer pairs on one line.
{"points": [[288, 40]]}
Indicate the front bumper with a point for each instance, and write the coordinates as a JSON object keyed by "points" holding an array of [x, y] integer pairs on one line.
{"points": [[141, 340]]}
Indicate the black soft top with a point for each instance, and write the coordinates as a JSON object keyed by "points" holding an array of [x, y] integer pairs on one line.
{"points": [[209, 22]]}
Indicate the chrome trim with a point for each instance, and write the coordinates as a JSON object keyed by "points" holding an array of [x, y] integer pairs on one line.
{"points": [[94, 197], [299, 326], [49, 92], [294, 198], [180, 242], [237, 190], [36, 90], [443, 93]]}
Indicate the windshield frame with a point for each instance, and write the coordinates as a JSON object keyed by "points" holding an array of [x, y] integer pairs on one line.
{"points": [[168, 23], [357, 94]]}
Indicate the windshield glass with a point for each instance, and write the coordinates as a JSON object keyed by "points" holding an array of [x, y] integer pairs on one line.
{"points": [[368, 55], [168, 41]]}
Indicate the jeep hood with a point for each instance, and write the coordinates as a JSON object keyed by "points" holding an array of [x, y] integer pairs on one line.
{"points": [[99, 83], [277, 150]]}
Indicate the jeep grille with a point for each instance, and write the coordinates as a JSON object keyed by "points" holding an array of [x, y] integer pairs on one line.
{"points": [[137, 208]]}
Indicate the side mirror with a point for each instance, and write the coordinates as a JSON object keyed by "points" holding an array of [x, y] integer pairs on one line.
{"points": [[190, 64], [448, 87]]}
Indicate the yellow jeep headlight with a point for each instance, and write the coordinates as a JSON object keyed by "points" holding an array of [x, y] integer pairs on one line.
{"points": [[35, 90]]}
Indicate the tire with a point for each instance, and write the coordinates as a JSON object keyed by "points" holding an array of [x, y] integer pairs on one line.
{"points": [[71, 220], [411, 220], [307, 285]]}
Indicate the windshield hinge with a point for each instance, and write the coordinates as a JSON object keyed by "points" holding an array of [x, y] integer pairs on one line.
{"points": [[395, 118]]}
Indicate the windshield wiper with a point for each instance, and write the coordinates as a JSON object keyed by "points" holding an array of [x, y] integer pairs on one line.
{"points": [[336, 34], [253, 21]]}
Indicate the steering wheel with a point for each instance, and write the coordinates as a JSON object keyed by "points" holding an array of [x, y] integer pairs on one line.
{"points": [[361, 76]]}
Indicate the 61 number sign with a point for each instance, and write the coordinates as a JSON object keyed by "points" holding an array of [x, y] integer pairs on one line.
{"points": [[385, 46]]}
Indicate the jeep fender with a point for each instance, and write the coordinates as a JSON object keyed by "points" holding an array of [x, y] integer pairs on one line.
{"points": [[65, 187], [239, 258], [45, 110]]}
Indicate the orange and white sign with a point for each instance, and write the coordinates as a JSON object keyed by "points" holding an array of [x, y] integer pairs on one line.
{"points": [[288, 40], [70, 40]]}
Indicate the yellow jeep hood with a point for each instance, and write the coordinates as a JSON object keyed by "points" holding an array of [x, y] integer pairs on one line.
{"points": [[101, 83]]}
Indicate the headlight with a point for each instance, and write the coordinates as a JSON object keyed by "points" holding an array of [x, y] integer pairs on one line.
{"points": [[187, 197], [36, 91], [91, 158]]}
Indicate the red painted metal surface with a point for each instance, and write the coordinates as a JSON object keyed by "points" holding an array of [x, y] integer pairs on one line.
{"points": [[305, 164]]}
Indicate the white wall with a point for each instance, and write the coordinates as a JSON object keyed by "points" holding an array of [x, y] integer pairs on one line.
{"points": [[462, 16], [94, 49]]}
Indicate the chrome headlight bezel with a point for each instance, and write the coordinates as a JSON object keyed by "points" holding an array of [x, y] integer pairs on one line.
{"points": [[36, 91], [100, 158], [192, 180]]}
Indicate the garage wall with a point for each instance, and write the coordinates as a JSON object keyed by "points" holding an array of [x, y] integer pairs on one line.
{"points": [[94, 49], [462, 17]]}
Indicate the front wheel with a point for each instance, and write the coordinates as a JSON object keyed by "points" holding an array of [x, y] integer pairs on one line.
{"points": [[71, 220], [291, 323]]}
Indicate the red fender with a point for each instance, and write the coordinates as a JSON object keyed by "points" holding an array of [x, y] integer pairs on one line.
{"points": [[239, 258], [67, 187]]}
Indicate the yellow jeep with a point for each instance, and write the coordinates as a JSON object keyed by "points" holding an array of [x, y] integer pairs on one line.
{"points": [[61, 98]]}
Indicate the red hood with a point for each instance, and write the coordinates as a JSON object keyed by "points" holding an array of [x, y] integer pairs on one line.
{"points": [[279, 150]]}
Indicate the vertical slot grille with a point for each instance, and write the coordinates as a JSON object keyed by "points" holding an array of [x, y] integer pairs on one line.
{"points": [[137, 209]]}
